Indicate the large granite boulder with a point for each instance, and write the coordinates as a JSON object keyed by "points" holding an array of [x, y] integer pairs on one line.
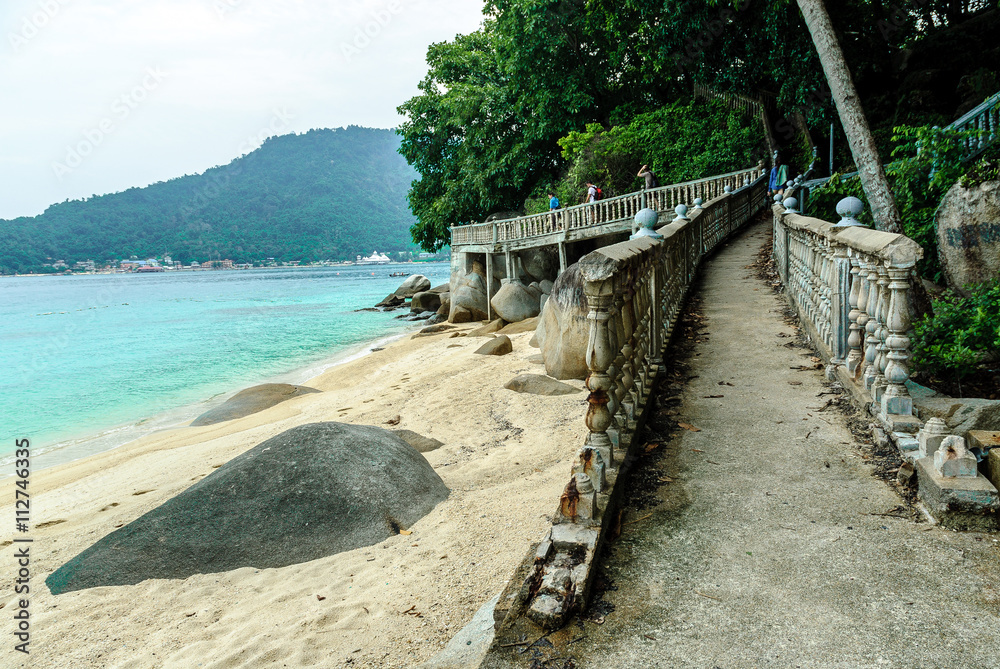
{"points": [[426, 300], [563, 329], [416, 283], [251, 401], [968, 230], [500, 345], [443, 288], [469, 295], [312, 491], [514, 302], [540, 263], [445, 307]]}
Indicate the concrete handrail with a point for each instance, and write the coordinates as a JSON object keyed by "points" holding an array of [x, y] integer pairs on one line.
{"points": [[634, 290], [622, 207], [851, 287]]}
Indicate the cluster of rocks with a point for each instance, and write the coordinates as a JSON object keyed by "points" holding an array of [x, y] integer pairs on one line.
{"points": [[425, 303]]}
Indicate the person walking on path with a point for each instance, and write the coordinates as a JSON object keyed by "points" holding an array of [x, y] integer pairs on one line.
{"points": [[779, 177], [553, 206], [650, 178], [590, 198]]}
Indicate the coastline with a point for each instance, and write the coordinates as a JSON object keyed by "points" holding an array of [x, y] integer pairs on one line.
{"points": [[91, 443], [504, 460]]}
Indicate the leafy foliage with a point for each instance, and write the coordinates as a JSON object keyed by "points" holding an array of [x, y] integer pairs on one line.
{"points": [[324, 194], [484, 130], [929, 163], [681, 141], [961, 335]]}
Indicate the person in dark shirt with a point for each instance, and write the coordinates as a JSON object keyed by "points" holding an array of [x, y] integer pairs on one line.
{"points": [[648, 175]]}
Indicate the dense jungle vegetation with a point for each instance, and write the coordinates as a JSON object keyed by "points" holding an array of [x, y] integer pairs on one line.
{"points": [[488, 130]]}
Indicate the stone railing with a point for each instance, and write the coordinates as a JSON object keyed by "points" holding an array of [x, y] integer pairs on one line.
{"points": [[986, 119], [851, 287], [635, 291], [741, 103], [609, 210]]}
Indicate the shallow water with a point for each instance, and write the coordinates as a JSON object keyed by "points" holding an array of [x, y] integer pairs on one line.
{"points": [[90, 362]]}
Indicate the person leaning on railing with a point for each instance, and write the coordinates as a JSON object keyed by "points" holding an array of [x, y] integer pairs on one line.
{"points": [[553, 206]]}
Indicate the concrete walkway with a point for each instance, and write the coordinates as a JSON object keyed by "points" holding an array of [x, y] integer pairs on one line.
{"points": [[768, 550]]}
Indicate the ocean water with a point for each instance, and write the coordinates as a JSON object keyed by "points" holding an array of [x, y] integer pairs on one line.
{"points": [[90, 362]]}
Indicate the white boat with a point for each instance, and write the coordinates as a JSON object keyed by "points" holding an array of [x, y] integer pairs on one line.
{"points": [[375, 258]]}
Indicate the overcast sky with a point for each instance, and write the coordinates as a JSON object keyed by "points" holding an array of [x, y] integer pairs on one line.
{"points": [[97, 96]]}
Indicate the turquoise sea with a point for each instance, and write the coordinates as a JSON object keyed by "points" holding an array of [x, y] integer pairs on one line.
{"points": [[92, 361]]}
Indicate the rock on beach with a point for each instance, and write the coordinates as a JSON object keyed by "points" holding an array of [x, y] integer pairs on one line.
{"points": [[309, 492]]}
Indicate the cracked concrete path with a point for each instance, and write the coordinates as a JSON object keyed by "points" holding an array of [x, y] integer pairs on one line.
{"points": [[767, 550]]}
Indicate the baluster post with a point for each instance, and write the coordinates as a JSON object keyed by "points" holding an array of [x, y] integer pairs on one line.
{"points": [[896, 399], [881, 334], [599, 357], [871, 325], [855, 300]]}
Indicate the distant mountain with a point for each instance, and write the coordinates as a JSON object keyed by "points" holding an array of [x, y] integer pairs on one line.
{"points": [[324, 194]]}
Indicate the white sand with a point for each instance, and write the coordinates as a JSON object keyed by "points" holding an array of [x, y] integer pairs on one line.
{"points": [[506, 458]]}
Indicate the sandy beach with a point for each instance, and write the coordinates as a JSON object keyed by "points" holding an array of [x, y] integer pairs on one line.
{"points": [[505, 459]]}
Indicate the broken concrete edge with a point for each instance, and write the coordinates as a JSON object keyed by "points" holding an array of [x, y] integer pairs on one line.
{"points": [[941, 498], [579, 541], [469, 645], [957, 502]]}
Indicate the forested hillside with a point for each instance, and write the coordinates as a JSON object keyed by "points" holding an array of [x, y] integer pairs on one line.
{"points": [[324, 194]]}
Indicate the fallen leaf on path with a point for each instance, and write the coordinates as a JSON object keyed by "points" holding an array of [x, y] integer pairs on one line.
{"points": [[712, 397], [697, 450], [393, 421], [651, 446], [688, 426], [405, 532], [320, 597], [795, 383]]}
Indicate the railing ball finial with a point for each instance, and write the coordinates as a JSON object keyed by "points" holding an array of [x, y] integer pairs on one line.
{"points": [[777, 198], [790, 183], [697, 203], [681, 210], [790, 205], [728, 189], [646, 220], [849, 208]]}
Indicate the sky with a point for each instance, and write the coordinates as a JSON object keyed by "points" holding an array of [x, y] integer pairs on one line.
{"points": [[97, 96]]}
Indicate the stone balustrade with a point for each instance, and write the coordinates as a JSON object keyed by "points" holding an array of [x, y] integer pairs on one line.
{"points": [[602, 212], [851, 288], [635, 291]]}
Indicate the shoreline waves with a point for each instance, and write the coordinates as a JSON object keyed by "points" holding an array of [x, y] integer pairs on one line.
{"points": [[92, 443]]}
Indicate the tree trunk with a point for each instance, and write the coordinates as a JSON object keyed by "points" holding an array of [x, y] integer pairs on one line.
{"points": [[852, 116]]}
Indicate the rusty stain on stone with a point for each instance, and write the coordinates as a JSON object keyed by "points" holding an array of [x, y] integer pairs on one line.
{"points": [[569, 499]]}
